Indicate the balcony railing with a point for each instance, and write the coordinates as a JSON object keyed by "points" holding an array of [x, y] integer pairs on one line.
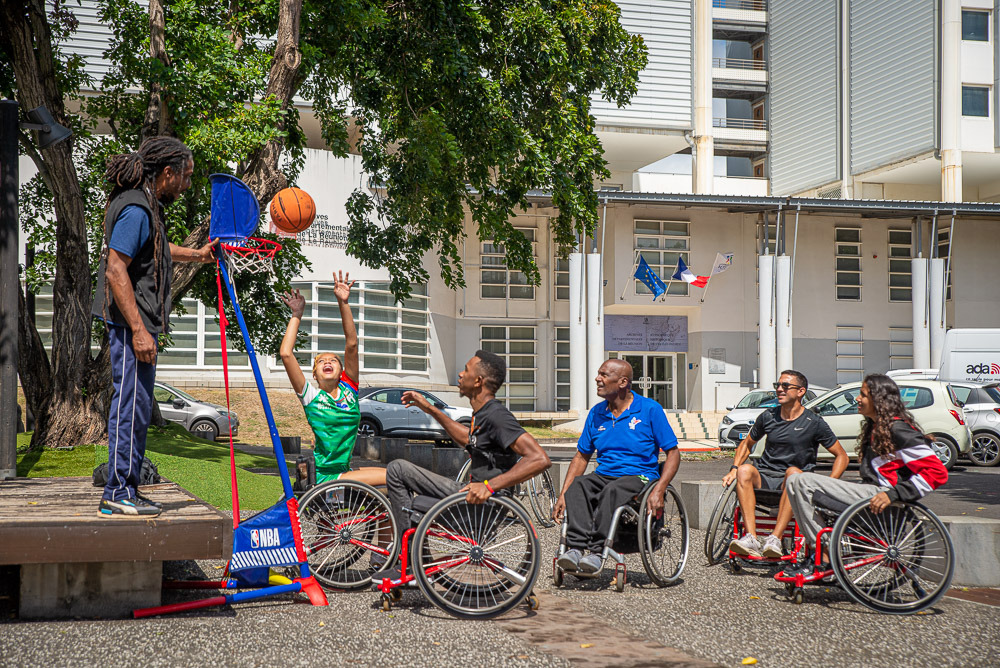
{"points": [[740, 123], [739, 63], [754, 5]]}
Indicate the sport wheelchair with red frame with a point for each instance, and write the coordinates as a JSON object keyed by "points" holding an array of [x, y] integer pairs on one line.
{"points": [[472, 561], [662, 543], [726, 523], [899, 561]]}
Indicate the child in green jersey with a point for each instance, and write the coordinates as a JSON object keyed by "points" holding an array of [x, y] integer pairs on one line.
{"points": [[331, 399]]}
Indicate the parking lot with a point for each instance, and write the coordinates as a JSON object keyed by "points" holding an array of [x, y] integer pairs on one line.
{"points": [[711, 617]]}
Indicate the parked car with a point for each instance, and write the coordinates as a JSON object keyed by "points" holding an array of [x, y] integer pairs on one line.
{"points": [[383, 413], [736, 424], [933, 404], [981, 408], [201, 418]]}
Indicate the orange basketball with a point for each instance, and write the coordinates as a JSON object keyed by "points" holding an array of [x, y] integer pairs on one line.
{"points": [[292, 210]]}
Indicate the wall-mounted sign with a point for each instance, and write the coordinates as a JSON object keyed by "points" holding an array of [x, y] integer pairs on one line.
{"points": [[322, 233], [646, 333], [717, 360]]}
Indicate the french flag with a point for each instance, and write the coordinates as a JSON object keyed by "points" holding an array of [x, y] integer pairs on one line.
{"points": [[685, 274]]}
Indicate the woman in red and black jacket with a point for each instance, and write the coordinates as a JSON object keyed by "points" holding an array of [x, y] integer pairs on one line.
{"points": [[897, 462]]}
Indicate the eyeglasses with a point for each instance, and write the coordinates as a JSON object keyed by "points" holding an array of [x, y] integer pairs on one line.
{"points": [[786, 386]]}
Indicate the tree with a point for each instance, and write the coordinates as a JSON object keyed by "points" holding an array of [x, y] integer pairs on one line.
{"points": [[460, 106]]}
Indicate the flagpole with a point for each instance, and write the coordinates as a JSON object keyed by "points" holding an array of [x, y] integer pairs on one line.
{"points": [[707, 283], [631, 274]]}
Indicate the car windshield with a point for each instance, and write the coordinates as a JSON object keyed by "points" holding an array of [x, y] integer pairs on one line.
{"points": [[994, 393], [180, 393], [761, 399]]}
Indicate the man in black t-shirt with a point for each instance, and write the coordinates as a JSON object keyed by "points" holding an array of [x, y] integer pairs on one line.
{"points": [[503, 453], [794, 434]]}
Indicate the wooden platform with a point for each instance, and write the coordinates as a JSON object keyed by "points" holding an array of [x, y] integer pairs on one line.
{"points": [[55, 521]]}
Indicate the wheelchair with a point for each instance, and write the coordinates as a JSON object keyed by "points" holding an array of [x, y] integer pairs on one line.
{"points": [[539, 493], [726, 523], [472, 561], [661, 543], [900, 561]]}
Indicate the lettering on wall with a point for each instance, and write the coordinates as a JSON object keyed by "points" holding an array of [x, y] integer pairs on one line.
{"points": [[321, 234]]}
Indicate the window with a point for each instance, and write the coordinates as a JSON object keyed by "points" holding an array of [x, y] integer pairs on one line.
{"points": [[850, 358], [388, 397], [975, 26], [660, 243], [900, 347], [517, 346], [943, 247], [562, 368], [916, 397], [562, 279], [842, 403], [848, 263], [975, 101], [899, 265], [961, 394], [498, 282]]}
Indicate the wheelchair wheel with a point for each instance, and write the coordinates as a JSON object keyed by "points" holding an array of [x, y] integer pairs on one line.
{"points": [[465, 473], [663, 543], [476, 562], [720, 526], [542, 495], [900, 561], [342, 521]]}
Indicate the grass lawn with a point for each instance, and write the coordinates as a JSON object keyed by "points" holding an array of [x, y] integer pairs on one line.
{"points": [[198, 466]]}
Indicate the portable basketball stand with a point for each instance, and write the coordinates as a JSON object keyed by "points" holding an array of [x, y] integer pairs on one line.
{"points": [[271, 538]]}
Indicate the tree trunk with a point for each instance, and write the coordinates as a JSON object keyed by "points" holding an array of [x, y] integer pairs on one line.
{"points": [[67, 417], [157, 120]]}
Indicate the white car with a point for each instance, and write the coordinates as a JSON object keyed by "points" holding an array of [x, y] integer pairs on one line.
{"points": [[932, 402], [737, 422]]}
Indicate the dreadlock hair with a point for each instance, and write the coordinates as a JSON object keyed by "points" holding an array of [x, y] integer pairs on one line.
{"points": [[876, 434], [138, 171]]}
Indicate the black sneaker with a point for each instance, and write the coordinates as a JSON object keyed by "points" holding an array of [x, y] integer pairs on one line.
{"points": [[148, 501], [127, 507]]}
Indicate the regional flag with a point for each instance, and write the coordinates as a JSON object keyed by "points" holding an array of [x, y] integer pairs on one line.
{"points": [[685, 274], [723, 261], [649, 278]]}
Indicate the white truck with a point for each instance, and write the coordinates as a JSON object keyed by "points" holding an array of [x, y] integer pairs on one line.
{"points": [[971, 356]]}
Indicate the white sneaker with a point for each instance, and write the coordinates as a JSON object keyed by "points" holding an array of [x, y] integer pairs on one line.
{"points": [[772, 548], [748, 546]]}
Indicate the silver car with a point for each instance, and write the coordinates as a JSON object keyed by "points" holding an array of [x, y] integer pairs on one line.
{"points": [[198, 417], [737, 422], [383, 414], [981, 406]]}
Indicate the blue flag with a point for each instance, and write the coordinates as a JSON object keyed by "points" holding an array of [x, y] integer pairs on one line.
{"points": [[649, 278]]}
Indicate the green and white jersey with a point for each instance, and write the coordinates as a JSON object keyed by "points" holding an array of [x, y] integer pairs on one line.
{"points": [[334, 422]]}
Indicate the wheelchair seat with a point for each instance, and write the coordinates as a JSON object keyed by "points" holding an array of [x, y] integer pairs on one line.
{"points": [[767, 498]]}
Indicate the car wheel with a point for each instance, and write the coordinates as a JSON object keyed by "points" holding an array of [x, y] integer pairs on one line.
{"points": [[206, 429], [946, 450], [985, 449], [368, 427]]}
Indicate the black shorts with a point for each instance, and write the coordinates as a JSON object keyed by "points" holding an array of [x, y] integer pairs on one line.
{"points": [[771, 480]]}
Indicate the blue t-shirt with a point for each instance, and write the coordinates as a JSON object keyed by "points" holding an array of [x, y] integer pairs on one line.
{"points": [[131, 231], [629, 444]]}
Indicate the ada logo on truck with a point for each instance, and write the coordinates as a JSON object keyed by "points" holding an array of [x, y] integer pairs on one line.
{"points": [[264, 538], [987, 369]]}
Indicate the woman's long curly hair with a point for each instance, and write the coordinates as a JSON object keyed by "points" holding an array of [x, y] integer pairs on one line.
{"points": [[138, 171], [876, 434]]}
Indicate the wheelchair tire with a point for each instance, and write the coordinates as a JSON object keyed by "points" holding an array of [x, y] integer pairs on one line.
{"points": [[465, 473], [900, 561], [542, 495], [496, 549], [663, 544], [720, 526], [335, 517]]}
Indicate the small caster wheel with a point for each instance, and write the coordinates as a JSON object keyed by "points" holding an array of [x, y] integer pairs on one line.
{"points": [[395, 595], [620, 582], [557, 576], [798, 596], [386, 602], [789, 588], [736, 566], [533, 603]]}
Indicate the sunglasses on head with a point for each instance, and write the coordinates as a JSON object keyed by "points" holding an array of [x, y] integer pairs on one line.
{"points": [[786, 386]]}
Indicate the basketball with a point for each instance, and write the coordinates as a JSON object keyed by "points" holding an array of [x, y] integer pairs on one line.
{"points": [[292, 210]]}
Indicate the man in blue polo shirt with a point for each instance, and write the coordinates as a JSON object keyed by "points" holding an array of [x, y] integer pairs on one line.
{"points": [[627, 431]]}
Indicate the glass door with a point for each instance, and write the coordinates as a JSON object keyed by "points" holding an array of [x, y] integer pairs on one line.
{"points": [[653, 376]]}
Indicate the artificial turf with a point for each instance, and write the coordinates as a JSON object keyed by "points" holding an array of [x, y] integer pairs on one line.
{"points": [[199, 466]]}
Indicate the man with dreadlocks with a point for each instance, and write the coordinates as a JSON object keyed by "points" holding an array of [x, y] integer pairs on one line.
{"points": [[133, 298]]}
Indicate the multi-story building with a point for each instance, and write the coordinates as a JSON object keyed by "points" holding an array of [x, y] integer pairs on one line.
{"points": [[758, 129]]}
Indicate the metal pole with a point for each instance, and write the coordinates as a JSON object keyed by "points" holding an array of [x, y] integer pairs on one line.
{"points": [[791, 274], [8, 289], [947, 270]]}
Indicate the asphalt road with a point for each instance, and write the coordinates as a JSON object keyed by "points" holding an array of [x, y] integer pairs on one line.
{"points": [[711, 616]]}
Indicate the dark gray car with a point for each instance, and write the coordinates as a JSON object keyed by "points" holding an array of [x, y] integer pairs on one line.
{"points": [[981, 405], [198, 417]]}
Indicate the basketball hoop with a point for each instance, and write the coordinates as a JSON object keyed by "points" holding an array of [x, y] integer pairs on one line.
{"points": [[251, 256]]}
